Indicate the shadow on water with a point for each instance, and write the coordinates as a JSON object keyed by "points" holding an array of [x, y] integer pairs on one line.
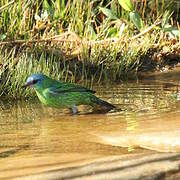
{"points": [[38, 135]]}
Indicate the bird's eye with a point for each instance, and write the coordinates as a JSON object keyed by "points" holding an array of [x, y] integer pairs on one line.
{"points": [[34, 81]]}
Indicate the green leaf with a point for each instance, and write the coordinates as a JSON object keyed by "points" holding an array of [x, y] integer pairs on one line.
{"points": [[108, 13], [165, 18], [37, 17], [122, 28], [174, 32], [136, 19], [60, 9], [2, 37], [92, 32], [126, 4], [44, 15], [48, 8], [112, 32]]}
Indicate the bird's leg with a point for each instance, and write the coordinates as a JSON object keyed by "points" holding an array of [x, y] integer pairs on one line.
{"points": [[74, 109]]}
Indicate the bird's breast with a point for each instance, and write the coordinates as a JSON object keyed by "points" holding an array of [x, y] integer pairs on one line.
{"points": [[42, 98]]}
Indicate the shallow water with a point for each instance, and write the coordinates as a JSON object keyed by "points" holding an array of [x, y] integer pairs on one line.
{"points": [[34, 138]]}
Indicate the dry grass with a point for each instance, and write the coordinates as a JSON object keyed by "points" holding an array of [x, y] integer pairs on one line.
{"points": [[82, 42]]}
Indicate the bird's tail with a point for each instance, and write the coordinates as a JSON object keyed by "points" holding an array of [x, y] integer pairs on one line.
{"points": [[100, 105]]}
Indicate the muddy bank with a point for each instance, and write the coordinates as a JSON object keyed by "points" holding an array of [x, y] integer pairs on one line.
{"points": [[146, 166]]}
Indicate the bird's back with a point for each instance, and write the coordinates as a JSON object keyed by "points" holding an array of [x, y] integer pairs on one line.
{"points": [[67, 95]]}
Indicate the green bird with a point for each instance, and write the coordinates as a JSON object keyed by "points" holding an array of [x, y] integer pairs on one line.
{"points": [[59, 94]]}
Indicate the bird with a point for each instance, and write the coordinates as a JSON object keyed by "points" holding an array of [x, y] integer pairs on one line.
{"points": [[61, 94]]}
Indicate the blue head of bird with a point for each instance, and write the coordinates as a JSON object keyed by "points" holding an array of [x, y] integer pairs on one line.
{"points": [[35, 80]]}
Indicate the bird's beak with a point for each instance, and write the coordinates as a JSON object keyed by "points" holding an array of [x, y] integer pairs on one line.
{"points": [[27, 85]]}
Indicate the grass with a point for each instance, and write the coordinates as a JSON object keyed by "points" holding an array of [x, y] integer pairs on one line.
{"points": [[83, 41]]}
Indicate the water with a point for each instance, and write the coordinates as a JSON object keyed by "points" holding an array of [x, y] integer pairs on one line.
{"points": [[34, 138]]}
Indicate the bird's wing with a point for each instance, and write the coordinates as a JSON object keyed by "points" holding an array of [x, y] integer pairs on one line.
{"points": [[67, 87]]}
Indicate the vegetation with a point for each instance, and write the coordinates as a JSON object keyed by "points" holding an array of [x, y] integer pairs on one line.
{"points": [[85, 41]]}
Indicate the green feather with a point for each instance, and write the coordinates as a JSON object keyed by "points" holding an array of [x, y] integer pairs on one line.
{"points": [[66, 95]]}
